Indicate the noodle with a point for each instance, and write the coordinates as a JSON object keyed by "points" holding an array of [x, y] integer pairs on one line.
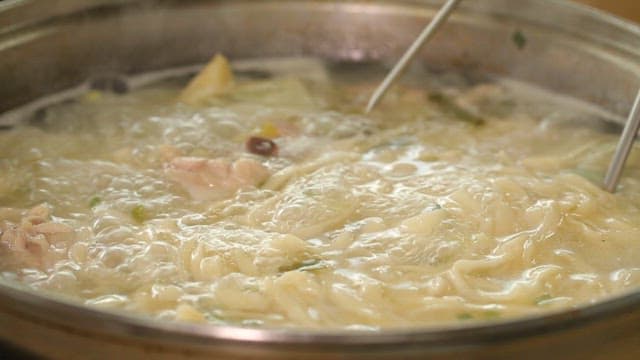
{"points": [[412, 216]]}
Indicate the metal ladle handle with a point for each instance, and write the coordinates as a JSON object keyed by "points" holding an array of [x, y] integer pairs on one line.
{"points": [[627, 138]]}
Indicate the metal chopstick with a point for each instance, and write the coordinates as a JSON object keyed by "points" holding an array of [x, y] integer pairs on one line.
{"points": [[424, 36], [612, 177]]}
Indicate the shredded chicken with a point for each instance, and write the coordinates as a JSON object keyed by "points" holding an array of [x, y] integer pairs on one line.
{"points": [[213, 179], [34, 233]]}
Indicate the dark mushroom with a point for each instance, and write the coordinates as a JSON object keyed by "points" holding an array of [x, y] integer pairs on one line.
{"points": [[261, 146]]}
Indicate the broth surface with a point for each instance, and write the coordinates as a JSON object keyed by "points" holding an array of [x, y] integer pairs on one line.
{"points": [[276, 202]]}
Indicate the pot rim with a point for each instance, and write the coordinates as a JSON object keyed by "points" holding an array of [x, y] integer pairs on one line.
{"points": [[27, 302], [55, 310]]}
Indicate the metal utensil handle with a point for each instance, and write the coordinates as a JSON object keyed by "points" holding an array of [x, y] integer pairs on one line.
{"points": [[424, 36], [623, 149]]}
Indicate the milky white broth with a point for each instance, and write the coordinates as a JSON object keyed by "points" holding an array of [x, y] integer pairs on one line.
{"points": [[450, 203]]}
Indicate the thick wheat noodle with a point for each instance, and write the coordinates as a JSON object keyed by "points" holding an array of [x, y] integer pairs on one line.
{"points": [[408, 217]]}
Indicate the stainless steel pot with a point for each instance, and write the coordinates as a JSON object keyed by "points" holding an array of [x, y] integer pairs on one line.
{"points": [[46, 47]]}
